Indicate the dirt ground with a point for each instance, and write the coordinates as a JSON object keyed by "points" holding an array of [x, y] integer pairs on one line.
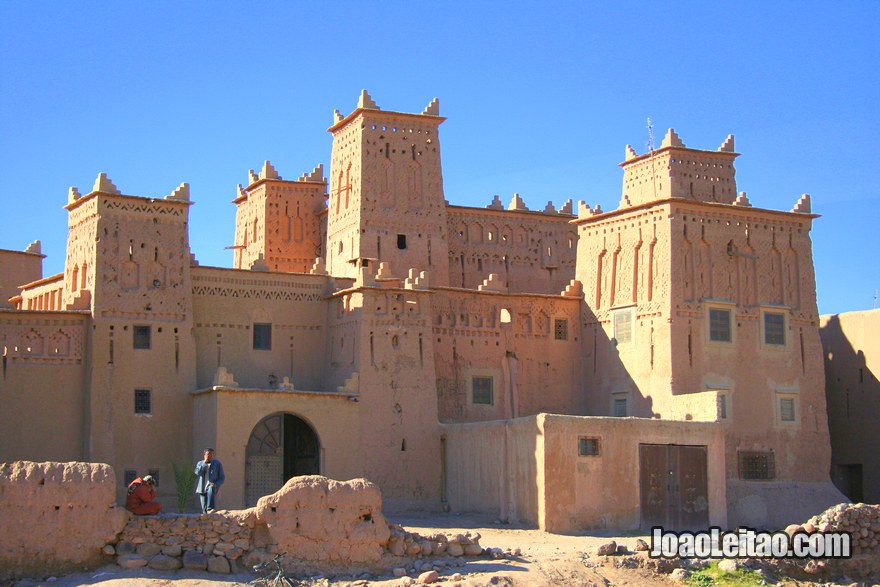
{"points": [[544, 560]]}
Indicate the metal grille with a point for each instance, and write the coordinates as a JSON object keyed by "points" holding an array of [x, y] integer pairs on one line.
{"points": [[623, 326], [142, 337], [588, 447], [482, 390], [719, 325], [263, 337], [560, 329], [130, 475], [757, 466], [265, 476], [786, 409], [143, 401], [774, 329]]}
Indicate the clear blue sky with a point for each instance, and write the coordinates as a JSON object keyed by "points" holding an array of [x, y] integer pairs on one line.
{"points": [[541, 99]]}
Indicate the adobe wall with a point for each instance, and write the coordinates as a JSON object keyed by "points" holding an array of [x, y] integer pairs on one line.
{"points": [[852, 367], [226, 305], [532, 251], [624, 265], [533, 367], [749, 262], [43, 361], [17, 268], [399, 444], [57, 517], [504, 476], [530, 470], [224, 419]]}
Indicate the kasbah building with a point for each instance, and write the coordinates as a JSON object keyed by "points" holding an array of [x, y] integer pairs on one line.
{"points": [[659, 363]]}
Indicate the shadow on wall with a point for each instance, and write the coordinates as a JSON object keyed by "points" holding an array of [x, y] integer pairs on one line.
{"points": [[853, 398]]}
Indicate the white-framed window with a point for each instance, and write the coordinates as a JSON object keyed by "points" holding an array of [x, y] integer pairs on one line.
{"points": [[720, 325], [623, 325], [787, 408]]}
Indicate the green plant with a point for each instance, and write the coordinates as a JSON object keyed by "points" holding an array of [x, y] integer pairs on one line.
{"points": [[185, 480], [712, 576]]}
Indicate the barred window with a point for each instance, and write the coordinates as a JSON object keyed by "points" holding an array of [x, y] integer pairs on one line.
{"points": [[142, 337], [143, 401], [623, 326], [263, 337], [154, 473], [786, 409], [722, 406], [774, 328], [757, 466], [719, 325], [560, 329], [130, 475], [588, 447], [482, 390]]}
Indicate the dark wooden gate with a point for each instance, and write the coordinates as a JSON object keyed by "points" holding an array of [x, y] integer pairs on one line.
{"points": [[674, 486]]}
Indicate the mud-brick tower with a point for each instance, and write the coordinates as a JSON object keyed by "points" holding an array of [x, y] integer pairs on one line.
{"points": [[674, 171], [277, 223], [128, 263], [386, 192]]}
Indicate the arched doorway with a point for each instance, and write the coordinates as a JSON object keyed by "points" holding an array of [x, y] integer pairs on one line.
{"points": [[281, 446]]}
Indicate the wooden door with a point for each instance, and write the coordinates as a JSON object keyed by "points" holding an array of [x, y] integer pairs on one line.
{"points": [[673, 486]]}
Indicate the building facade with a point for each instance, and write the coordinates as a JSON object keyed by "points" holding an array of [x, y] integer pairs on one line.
{"points": [[368, 328]]}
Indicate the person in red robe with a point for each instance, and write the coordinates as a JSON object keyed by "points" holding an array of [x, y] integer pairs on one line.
{"points": [[141, 496]]}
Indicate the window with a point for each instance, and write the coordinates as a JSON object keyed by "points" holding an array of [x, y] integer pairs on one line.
{"points": [[560, 329], [623, 326], [757, 466], [155, 474], [719, 325], [143, 401], [142, 336], [774, 328], [620, 407], [588, 447], [786, 409], [262, 337], [722, 406], [401, 241], [130, 475], [482, 390]]}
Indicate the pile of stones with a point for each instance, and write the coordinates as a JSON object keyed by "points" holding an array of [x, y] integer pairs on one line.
{"points": [[412, 544], [861, 520], [210, 542]]}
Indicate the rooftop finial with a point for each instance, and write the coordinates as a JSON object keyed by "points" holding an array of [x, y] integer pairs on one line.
{"points": [[35, 248], [103, 184], [268, 172], [516, 203], [316, 176], [727, 145], [671, 139], [73, 195], [181, 193], [630, 153], [366, 102], [433, 109], [803, 205], [337, 116]]}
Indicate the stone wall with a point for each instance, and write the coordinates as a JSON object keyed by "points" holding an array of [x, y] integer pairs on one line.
{"points": [[55, 516]]}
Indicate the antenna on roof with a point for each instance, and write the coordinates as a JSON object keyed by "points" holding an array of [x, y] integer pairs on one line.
{"points": [[651, 149]]}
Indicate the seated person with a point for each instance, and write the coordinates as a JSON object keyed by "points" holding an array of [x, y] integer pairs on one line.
{"points": [[141, 496]]}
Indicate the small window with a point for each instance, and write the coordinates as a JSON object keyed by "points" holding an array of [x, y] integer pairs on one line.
{"points": [[719, 325], [620, 407], [262, 337], [722, 406], [482, 390], [774, 328], [154, 473], [588, 447], [129, 476], [757, 466], [786, 409], [560, 329], [142, 337], [401, 241], [143, 401], [623, 326]]}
